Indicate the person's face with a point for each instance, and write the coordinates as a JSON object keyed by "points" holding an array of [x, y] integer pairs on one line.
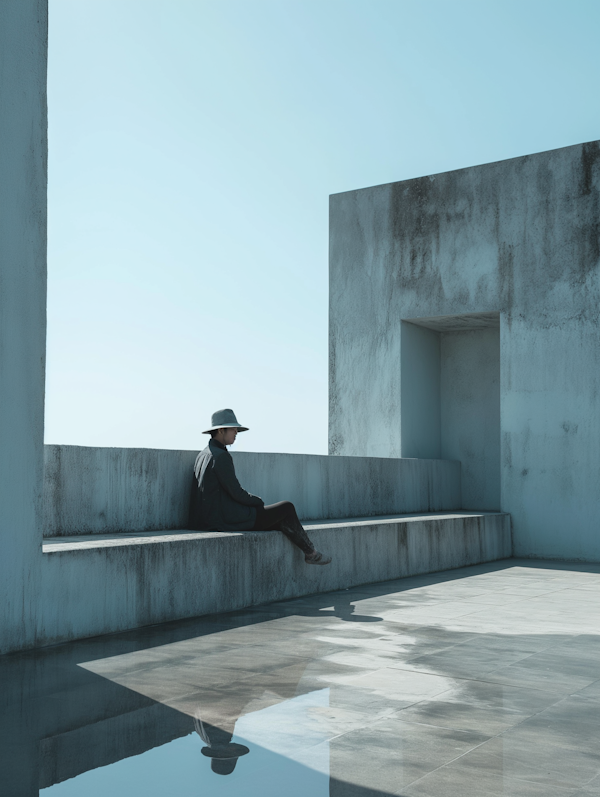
{"points": [[228, 436]]}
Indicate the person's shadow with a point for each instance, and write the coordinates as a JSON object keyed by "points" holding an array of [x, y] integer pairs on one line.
{"points": [[343, 609]]}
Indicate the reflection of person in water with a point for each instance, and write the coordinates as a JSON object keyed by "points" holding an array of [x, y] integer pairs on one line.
{"points": [[219, 748], [221, 503], [216, 717]]}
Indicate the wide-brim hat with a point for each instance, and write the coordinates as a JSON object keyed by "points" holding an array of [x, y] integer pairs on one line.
{"points": [[225, 751], [225, 419]]}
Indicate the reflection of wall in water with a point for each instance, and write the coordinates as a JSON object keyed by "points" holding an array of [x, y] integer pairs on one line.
{"points": [[57, 720]]}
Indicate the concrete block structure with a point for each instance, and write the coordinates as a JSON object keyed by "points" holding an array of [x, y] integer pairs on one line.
{"points": [[464, 387], [23, 180], [468, 303], [116, 553]]}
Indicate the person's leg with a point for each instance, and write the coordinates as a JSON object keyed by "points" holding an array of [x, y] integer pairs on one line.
{"points": [[283, 517], [269, 517]]}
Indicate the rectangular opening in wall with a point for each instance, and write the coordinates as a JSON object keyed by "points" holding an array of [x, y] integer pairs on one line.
{"points": [[450, 398], [420, 411]]}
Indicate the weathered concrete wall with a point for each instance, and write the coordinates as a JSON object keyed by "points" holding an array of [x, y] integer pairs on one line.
{"points": [[341, 487], [114, 587], [519, 237], [99, 490], [550, 441], [450, 404], [102, 490], [420, 392], [23, 47], [470, 412]]}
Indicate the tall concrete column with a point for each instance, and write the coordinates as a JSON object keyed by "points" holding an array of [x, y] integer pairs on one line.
{"points": [[23, 178]]}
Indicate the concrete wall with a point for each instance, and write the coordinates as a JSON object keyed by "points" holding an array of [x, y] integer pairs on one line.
{"points": [[102, 490], [420, 417], [520, 238], [450, 403], [470, 410], [550, 442], [23, 47], [109, 588]]}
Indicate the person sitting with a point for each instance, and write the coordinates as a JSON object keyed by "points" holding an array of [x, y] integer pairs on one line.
{"points": [[222, 504]]}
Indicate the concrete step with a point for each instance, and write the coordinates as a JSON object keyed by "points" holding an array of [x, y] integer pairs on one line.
{"points": [[126, 580]]}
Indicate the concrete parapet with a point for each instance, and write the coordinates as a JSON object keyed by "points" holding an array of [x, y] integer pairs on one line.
{"points": [[107, 490], [100, 584], [101, 490]]}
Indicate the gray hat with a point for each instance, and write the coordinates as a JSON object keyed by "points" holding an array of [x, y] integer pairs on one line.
{"points": [[225, 419], [225, 751]]}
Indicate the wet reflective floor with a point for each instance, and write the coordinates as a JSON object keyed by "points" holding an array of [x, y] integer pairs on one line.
{"points": [[480, 681]]}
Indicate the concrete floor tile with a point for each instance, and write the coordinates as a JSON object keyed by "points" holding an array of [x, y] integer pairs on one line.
{"points": [[370, 659], [570, 723], [565, 662], [505, 765], [369, 702], [248, 659], [405, 646], [308, 646], [466, 662], [536, 758], [518, 675], [321, 672], [486, 708], [391, 754], [400, 684]]}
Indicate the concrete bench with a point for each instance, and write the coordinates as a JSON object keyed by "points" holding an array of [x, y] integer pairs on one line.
{"points": [[122, 580]]}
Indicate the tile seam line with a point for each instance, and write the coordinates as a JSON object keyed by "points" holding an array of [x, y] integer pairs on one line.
{"points": [[445, 764], [473, 680]]}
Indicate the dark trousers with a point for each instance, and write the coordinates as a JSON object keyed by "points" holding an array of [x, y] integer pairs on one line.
{"points": [[282, 517]]}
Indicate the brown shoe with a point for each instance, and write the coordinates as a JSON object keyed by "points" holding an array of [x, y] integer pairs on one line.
{"points": [[317, 558]]}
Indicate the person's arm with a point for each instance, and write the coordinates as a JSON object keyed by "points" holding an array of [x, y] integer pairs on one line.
{"points": [[228, 481]]}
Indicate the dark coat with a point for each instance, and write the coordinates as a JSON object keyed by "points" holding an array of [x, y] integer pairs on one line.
{"points": [[220, 503]]}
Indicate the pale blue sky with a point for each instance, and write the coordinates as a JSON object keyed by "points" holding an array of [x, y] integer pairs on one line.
{"points": [[193, 147]]}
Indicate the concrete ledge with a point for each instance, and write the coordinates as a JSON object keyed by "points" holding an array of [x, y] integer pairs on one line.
{"points": [[104, 583]]}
